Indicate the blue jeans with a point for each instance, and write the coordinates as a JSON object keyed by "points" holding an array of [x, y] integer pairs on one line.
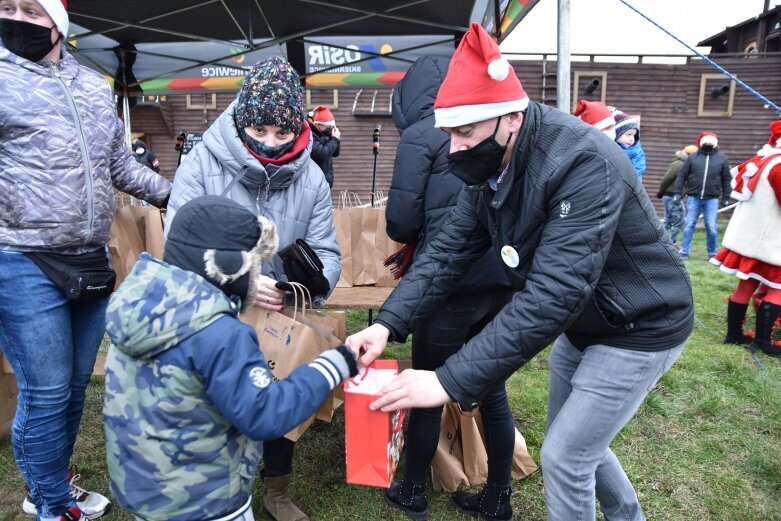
{"points": [[592, 395], [673, 217], [709, 209], [51, 343]]}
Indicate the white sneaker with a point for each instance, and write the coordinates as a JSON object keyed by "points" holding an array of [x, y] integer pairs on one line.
{"points": [[92, 504]]}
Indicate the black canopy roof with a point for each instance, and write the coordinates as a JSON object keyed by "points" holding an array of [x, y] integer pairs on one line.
{"points": [[281, 21]]}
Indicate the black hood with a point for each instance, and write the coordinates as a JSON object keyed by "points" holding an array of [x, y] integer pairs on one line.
{"points": [[414, 96]]}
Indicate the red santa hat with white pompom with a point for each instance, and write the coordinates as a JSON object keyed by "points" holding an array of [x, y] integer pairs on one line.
{"points": [[480, 83]]}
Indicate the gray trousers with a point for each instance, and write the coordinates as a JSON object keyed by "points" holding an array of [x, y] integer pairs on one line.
{"points": [[592, 395]]}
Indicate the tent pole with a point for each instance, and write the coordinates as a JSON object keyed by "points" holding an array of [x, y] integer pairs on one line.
{"points": [[126, 113], [563, 58]]}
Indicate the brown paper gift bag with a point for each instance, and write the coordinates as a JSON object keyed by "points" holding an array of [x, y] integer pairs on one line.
{"points": [[295, 337], [8, 393], [134, 229], [343, 223], [461, 460]]}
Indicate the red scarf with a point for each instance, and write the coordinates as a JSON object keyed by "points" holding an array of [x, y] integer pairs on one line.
{"points": [[299, 145]]}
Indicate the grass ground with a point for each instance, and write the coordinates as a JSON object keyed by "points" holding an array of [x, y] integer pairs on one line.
{"points": [[706, 444]]}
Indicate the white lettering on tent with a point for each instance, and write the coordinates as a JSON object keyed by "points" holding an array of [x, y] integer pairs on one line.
{"points": [[324, 56], [217, 71]]}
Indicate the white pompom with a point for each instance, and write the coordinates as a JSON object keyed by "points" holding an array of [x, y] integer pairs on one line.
{"points": [[499, 69]]}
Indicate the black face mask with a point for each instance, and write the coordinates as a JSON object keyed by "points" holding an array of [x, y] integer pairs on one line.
{"points": [[707, 147], [30, 41], [476, 165]]}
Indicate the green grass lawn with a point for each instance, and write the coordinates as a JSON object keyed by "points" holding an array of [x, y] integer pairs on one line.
{"points": [[706, 445]]}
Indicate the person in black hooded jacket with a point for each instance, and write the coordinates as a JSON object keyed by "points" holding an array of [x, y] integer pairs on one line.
{"points": [[706, 175], [422, 195], [592, 270]]}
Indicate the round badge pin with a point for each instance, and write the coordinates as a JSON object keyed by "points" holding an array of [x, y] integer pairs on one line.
{"points": [[510, 256]]}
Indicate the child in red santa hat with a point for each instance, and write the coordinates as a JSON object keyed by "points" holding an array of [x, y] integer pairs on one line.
{"points": [[752, 244]]}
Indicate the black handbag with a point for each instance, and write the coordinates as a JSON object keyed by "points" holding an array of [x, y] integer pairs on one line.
{"points": [[302, 265], [82, 277]]}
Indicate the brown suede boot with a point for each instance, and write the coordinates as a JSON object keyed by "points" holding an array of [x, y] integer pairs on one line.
{"points": [[277, 502]]}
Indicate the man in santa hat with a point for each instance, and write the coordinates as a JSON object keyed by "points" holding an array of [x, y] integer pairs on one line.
{"points": [[592, 269], [706, 175], [325, 140]]}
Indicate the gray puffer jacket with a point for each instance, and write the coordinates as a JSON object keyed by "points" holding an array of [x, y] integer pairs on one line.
{"points": [[62, 150], [298, 199]]}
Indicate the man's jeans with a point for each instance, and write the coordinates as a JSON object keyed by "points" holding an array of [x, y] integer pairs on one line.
{"points": [[709, 209], [592, 395], [673, 217], [51, 343]]}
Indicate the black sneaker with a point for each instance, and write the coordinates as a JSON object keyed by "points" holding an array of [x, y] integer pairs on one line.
{"points": [[411, 499], [491, 503]]}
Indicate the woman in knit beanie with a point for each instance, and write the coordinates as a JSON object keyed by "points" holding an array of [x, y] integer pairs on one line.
{"points": [[257, 153], [270, 97]]}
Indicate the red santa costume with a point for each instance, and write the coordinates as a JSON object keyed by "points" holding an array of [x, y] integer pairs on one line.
{"points": [[752, 245], [752, 241]]}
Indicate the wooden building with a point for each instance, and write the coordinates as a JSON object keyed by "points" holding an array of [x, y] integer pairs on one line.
{"points": [[675, 103]]}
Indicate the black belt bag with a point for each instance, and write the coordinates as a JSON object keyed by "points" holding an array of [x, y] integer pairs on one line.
{"points": [[82, 277]]}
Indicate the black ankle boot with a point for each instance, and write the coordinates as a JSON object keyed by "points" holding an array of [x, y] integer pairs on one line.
{"points": [[763, 338], [736, 314], [491, 503], [411, 499]]}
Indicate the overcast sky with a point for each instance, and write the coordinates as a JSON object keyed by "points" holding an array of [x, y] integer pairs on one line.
{"points": [[608, 26]]}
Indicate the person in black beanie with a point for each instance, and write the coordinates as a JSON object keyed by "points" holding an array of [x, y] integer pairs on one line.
{"points": [[185, 376]]}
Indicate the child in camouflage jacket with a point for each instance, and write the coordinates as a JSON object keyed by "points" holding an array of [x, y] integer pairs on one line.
{"points": [[189, 397]]}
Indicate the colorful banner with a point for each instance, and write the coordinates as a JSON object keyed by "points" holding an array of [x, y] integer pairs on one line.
{"points": [[177, 67], [364, 61], [511, 12]]}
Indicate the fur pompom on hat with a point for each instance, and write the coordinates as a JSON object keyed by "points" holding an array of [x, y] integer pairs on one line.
{"points": [[223, 242], [690, 149], [271, 95]]}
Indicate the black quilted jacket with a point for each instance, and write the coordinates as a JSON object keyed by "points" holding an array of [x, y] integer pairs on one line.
{"points": [[324, 149], [595, 261]]}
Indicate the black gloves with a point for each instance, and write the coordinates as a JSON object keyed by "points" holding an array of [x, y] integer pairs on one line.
{"points": [[349, 358], [336, 365], [302, 265], [676, 199], [725, 202]]}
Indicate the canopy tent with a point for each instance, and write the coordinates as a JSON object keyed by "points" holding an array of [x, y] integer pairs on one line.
{"points": [[186, 46]]}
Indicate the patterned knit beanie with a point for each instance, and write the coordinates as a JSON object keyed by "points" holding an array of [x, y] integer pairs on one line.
{"points": [[625, 122], [271, 95]]}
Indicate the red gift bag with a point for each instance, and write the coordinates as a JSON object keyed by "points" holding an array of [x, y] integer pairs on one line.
{"points": [[373, 439]]}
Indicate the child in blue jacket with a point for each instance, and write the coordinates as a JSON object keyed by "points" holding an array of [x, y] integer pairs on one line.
{"points": [[628, 138], [189, 396]]}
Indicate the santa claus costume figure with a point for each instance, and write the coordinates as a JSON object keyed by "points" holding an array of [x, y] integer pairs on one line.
{"points": [[752, 244]]}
